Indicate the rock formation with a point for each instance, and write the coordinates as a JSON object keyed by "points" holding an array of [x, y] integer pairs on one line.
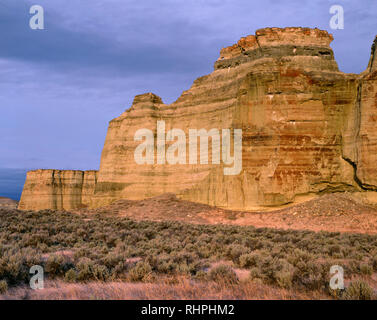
{"points": [[58, 189], [6, 203], [307, 128]]}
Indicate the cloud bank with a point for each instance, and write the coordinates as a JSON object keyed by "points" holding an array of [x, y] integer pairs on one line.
{"points": [[60, 86]]}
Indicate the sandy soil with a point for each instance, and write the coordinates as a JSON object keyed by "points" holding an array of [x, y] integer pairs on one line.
{"points": [[331, 212]]}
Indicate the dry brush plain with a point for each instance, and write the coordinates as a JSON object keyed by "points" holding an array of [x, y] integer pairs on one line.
{"points": [[107, 255]]}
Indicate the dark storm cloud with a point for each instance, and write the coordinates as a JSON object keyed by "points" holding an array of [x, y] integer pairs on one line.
{"points": [[62, 48], [128, 37]]}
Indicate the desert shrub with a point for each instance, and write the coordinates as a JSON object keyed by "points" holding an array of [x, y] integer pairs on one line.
{"points": [[85, 269], [55, 265], [311, 275], [284, 278], [102, 244], [154, 260], [201, 275], [336, 293], [256, 273], [100, 273], [82, 252], [366, 269], [204, 251], [299, 256], [70, 276], [14, 268], [234, 251], [358, 290], [373, 262], [165, 264], [352, 267], [356, 255], [283, 273], [334, 249], [183, 268], [140, 272], [184, 257], [223, 273], [250, 259], [112, 259], [197, 266], [3, 287]]}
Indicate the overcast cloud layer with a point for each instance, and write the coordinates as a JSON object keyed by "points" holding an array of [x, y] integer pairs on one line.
{"points": [[60, 86]]}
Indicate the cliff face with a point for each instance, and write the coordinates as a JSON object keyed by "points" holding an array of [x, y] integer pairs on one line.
{"points": [[306, 128], [364, 118], [58, 189]]}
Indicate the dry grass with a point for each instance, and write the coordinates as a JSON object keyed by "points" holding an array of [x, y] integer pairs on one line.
{"points": [[257, 263], [179, 288]]}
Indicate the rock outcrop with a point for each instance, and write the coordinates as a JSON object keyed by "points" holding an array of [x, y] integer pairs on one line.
{"points": [[6, 203], [307, 128], [58, 189]]}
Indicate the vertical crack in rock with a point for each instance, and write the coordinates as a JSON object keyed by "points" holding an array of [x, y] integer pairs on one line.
{"points": [[54, 199], [356, 142], [82, 187]]}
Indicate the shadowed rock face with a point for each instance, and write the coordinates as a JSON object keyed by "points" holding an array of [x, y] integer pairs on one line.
{"points": [[307, 128]]}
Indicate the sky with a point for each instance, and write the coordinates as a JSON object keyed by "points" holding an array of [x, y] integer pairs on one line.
{"points": [[59, 87]]}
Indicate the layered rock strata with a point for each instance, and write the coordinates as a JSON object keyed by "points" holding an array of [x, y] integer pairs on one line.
{"points": [[307, 128], [58, 189]]}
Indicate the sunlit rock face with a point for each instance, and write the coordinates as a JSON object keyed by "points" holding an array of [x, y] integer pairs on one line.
{"points": [[57, 189], [307, 128]]}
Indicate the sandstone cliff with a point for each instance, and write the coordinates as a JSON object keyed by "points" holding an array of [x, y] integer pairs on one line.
{"points": [[57, 189], [307, 128]]}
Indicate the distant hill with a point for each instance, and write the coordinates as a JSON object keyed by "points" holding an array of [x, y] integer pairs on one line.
{"points": [[8, 203]]}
